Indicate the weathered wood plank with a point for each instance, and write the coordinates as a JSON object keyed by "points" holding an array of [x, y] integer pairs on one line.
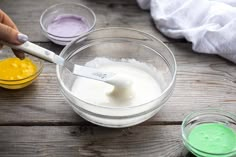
{"points": [[26, 14], [27, 115], [203, 81], [90, 141]]}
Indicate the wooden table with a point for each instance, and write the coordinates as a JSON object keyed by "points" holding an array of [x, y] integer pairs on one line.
{"points": [[37, 121]]}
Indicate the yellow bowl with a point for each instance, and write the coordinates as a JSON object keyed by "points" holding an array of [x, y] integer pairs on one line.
{"points": [[20, 83]]}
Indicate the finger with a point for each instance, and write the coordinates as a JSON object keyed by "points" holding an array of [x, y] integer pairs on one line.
{"points": [[11, 35], [5, 19], [19, 54]]}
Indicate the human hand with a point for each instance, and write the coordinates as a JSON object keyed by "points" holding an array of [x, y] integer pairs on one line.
{"points": [[9, 33]]}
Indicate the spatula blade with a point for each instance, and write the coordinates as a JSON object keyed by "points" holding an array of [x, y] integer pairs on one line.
{"points": [[91, 73]]}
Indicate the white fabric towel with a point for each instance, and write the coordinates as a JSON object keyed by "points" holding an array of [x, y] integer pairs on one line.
{"points": [[209, 24]]}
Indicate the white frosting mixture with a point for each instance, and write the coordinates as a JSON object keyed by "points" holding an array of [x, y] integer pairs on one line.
{"points": [[140, 86]]}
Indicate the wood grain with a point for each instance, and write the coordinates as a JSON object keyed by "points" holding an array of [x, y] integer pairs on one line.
{"points": [[90, 141], [37, 121], [203, 81], [109, 14]]}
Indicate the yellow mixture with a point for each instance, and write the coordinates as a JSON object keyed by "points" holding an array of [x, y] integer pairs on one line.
{"points": [[16, 69]]}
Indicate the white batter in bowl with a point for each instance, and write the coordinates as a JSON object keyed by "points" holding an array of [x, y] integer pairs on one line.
{"points": [[143, 61]]}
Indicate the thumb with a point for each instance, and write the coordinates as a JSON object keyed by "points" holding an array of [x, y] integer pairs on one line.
{"points": [[11, 35]]}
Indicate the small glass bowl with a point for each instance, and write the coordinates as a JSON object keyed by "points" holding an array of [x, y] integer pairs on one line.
{"points": [[21, 83], [118, 44], [202, 117], [66, 9]]}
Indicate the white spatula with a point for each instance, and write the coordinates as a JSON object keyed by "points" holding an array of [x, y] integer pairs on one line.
{"points": [[45, 54]]}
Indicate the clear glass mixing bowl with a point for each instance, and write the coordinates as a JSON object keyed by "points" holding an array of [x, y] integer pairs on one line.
{"points": [[118, 43]]}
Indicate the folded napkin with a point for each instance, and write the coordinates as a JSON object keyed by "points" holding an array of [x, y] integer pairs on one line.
{"points": [[209, 24]]}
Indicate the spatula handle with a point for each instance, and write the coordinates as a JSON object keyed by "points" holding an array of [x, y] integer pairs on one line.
{"points": [[38, 51]]}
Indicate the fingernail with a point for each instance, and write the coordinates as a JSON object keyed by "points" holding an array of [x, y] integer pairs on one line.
{"points": [[22, 37]]}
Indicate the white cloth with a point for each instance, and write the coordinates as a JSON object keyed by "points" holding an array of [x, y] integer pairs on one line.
{"points": [[209, 24]]}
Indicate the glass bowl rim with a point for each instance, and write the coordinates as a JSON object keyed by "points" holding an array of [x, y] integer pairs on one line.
{"points": [[61, 4], [200, 112], [171, 84]]}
